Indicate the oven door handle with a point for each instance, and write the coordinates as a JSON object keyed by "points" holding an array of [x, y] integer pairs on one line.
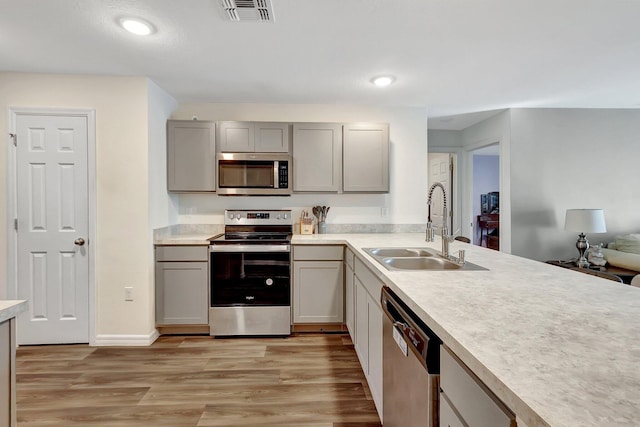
{"points": [[249, 248]]}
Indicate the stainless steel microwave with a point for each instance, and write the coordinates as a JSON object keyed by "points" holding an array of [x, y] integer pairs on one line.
{"points": [[254, 174]]}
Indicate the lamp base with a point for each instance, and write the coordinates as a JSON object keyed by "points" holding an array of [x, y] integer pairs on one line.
{"points": [[583, 245]]}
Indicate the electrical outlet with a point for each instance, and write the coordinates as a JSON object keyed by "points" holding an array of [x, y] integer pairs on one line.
{"points": [[128, 293], [384, 211]]}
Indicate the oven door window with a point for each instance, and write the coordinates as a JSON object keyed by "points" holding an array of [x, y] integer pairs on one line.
{"points": [[246, 174], [251, 278]]}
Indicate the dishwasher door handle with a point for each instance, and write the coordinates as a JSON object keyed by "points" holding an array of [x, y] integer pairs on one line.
{"points": [[402, 325]]}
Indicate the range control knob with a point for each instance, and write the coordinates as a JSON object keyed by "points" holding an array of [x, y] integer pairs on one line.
{"points": [[238, 217], [269, 282], [285, 216], [278, 216], [230, 216]]}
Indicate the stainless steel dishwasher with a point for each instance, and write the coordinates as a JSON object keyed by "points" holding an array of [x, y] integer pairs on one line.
{"points": [[411, 370]]}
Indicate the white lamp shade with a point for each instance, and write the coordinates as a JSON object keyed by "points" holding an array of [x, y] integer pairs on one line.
{"points": [[585, 221]]}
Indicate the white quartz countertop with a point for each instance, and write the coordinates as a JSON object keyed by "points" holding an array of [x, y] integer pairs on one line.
{"points": [[11, 308], [558, 347], [195, 239]]}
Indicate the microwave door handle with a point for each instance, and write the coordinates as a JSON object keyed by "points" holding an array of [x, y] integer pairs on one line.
{"points": [[276, 168]]}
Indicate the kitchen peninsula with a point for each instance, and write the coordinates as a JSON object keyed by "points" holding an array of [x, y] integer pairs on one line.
{"points": [[557, 347], [8, 312]]}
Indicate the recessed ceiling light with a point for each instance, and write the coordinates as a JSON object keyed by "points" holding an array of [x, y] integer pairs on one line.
{"points": [[382, 81], [136, 26]]}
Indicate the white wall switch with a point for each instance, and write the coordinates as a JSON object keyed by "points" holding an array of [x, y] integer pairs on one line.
{"points": [[128, 293]]}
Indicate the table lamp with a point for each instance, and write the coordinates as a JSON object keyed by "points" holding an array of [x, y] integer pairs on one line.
{"points": [[584, 221]]}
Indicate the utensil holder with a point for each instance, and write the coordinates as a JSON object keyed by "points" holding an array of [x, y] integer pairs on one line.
{"points": [[322, 227]]}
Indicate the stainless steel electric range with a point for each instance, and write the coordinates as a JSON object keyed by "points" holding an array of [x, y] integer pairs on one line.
{"points": [[250, 274]]}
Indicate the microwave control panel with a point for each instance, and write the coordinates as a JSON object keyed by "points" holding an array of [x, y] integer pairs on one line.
{"points": [[283, 174]]}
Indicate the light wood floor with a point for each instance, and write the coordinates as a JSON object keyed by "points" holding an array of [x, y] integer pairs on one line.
{"points": [[180, 381]]}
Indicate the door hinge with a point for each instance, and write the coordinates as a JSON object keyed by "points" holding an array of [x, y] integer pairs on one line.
{"points": [[15, 139], [15, 223]]}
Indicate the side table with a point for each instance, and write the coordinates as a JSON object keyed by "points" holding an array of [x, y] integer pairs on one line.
{"points": [[622, 273]]}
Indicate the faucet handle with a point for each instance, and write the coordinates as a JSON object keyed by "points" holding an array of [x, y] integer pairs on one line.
{"points": [[461, 256]]}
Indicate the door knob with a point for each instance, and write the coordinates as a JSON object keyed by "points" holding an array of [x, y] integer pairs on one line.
{"points": [[79, 241]]}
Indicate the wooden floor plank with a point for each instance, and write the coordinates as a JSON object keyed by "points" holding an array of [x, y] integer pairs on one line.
{"points": [[220, 394], [327, 374], [287, 414], [307, 380], [113, 416], [104, 396]]}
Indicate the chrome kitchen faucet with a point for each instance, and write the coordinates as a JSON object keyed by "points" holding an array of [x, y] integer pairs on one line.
{"points": [[430, 237]]}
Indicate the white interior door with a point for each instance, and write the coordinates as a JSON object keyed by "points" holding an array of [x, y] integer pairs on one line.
{"points": [[52, 228], [439, 171]]}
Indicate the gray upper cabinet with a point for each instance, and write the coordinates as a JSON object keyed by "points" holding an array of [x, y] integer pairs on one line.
{"points": [[235, 137], [272, 137], [191, 156], [317, 157], [247, 137], [366, 157]]}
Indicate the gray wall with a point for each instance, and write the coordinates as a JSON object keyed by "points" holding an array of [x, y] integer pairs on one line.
{"points": [[572, 158], [496, 129]]}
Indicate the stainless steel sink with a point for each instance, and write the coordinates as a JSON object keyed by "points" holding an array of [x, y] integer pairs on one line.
{"points": [[400, 252], [421, 264], [417, 259]]}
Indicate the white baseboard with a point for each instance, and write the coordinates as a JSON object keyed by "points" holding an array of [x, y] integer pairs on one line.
{"points": [[126, 340]]}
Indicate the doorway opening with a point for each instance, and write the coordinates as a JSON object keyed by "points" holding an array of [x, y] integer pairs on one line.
{"points": [[485, 193]]}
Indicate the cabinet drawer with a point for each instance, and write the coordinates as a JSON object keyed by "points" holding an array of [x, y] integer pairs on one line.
{"points": [[182, 253], [369, 280], [318, 253], [349, 257], [472, 400], [448, 415]]}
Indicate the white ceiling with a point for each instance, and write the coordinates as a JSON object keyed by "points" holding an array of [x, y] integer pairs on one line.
{"points": [[452, 57]]}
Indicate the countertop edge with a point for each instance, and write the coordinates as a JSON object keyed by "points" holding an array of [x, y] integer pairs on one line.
{"points": [[11, 308]]}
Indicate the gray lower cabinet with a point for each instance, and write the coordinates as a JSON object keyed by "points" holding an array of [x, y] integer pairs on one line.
{"points": [[368, 318], [317, 157], [191, 156], [448, 415], [365, 158], [7, 373], [318, 286], [182, 285], [349, 294], [465, 400]]}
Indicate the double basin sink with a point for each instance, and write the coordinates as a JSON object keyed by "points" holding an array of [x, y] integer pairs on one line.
{"points": [[417, 259]]}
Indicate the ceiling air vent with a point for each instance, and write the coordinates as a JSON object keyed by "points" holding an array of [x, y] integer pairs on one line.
{"points": [[248, 10]]}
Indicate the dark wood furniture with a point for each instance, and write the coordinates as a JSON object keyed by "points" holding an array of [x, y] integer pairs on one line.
{"points": [[489, 226], [622, 273]]}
